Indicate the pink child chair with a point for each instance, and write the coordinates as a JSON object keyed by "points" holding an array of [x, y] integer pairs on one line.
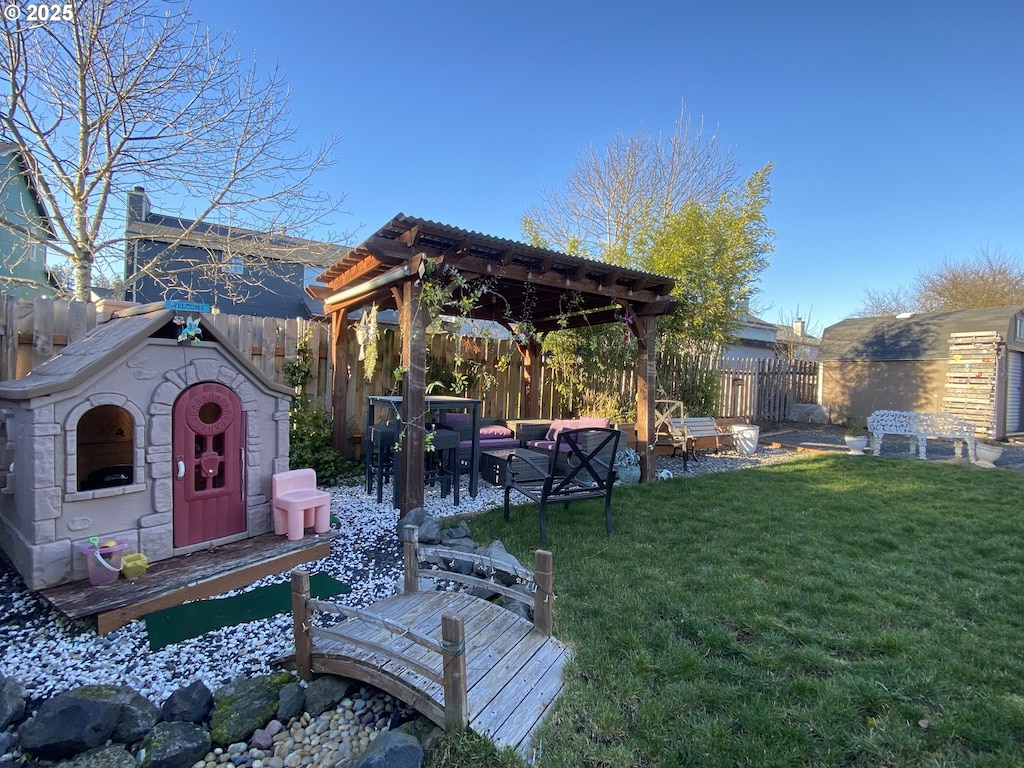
{"points": [[297, 503]]}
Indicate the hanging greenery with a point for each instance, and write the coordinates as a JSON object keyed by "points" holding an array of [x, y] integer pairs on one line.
{"points": [[367, 334]]}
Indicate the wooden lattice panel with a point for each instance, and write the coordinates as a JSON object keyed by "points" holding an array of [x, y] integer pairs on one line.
{"points": [[971, 377]]}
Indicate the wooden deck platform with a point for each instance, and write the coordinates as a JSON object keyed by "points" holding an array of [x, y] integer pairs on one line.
{"points": [[187, 577], [460, 660]]}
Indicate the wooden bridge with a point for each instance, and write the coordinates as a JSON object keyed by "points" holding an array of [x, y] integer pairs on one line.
{"points": [[458, 659]]}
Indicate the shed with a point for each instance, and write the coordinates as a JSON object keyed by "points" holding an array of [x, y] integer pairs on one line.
{"points": [[132, 436], [969, 363]]}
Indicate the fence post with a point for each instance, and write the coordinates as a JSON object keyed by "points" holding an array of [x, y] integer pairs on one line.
{"points": [[300, 624], [543, 597], [453, 643]]}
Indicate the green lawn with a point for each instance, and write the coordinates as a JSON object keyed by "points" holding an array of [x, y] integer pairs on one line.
{"points": [[833, 611]]}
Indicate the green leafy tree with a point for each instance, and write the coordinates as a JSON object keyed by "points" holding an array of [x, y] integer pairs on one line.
{"points": [[716, 252]]}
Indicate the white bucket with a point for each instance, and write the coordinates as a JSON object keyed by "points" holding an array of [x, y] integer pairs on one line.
{"points": [[745, 436]]}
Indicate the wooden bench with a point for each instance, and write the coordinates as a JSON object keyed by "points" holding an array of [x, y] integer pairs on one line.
{"points": [[922, 426]]}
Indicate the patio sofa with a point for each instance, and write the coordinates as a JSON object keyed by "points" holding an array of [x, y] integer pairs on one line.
{"points": [[544, 439], [494, 434]]}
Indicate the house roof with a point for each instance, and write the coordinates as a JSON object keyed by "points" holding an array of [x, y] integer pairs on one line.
{"points": [[105, 345], [233, 240], [923, 336], [548, 287]]}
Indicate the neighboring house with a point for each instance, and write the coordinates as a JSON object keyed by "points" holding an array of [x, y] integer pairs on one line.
{"points": [[24, 229], [257, 273], [969, 363], [793, 342], [754, 336]]}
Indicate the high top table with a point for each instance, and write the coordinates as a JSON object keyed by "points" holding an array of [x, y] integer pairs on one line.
{"points": [[432, 403]]}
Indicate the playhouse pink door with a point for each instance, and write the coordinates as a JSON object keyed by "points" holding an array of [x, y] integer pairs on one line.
{"points": [[209, 428]]}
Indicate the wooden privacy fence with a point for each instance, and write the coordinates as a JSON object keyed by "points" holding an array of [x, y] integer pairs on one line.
{"points": [[32, 332]]}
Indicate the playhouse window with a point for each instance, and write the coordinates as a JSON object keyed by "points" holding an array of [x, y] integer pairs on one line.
{"points": [[105, 448]]}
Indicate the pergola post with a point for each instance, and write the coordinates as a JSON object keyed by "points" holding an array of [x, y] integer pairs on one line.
{"points": [[530, 403], [646, 393], [414, 323], [339, 389]]}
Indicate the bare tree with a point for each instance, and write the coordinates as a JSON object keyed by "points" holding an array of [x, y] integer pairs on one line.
{"points": [[118, 93], [990, 278], [615, 191], [886, 301]]}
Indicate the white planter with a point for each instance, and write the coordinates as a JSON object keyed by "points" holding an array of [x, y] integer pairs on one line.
{"points": [[988, 455], [745, 436], [856, 444]]}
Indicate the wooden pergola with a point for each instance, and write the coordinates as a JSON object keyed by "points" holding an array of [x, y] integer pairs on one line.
{"points": [[527, 284]]}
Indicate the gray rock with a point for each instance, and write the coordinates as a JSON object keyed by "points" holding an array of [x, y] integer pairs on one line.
{"points": [[430, 530], [175, 745], [392, 749], [325, 692], [461, 531], [113, 756], [416, 516], [495, 552], [12, 702], [137, 716], [65, 726], [261, 739], [245, 704], [291, 702], [191, 704], [7, 740], [424, 730]]}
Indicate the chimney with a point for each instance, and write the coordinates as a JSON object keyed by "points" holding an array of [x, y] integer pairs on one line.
{"points": [[138, 204], [798, 327]]}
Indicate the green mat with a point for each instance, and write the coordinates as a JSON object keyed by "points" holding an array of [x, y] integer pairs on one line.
{"points": [[172, 625]]}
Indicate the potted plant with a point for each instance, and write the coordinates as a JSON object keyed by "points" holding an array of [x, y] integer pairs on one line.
{"points": [[856, 439], [988, 452], [627, 466]]}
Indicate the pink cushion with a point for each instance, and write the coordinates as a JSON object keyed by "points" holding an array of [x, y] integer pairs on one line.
{"points": [[557, 426], [581, 423], [457, 420], [494, 431]]}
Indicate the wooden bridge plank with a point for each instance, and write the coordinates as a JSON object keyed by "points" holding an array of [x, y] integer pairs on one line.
{"points": [[489, 689], [524, 716]]}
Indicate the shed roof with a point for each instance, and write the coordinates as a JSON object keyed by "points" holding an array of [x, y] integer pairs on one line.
{"points": [[548, 287], [104, 346], [923, 336]]}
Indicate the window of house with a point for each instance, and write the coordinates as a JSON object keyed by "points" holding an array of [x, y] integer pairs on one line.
{"points": [[105, 448], [1020, 328], [235, 266]]}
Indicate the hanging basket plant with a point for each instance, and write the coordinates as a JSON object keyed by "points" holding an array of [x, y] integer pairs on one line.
{"points": [[367, 334]]}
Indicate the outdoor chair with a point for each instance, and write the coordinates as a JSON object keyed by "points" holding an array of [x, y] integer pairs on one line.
{"points": [[297, 503], [582, 466]]}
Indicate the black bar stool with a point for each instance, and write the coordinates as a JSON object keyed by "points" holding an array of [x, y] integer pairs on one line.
{"points": [[443, 461], [380, 456]]}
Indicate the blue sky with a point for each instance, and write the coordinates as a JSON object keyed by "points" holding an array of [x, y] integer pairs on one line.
{"points": [[895, 127]]}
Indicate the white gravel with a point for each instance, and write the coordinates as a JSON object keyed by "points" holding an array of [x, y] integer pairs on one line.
{"points": [[49, 654]]}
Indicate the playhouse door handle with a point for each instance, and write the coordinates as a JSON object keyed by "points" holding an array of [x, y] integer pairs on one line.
{"points": [[181, 469]]}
